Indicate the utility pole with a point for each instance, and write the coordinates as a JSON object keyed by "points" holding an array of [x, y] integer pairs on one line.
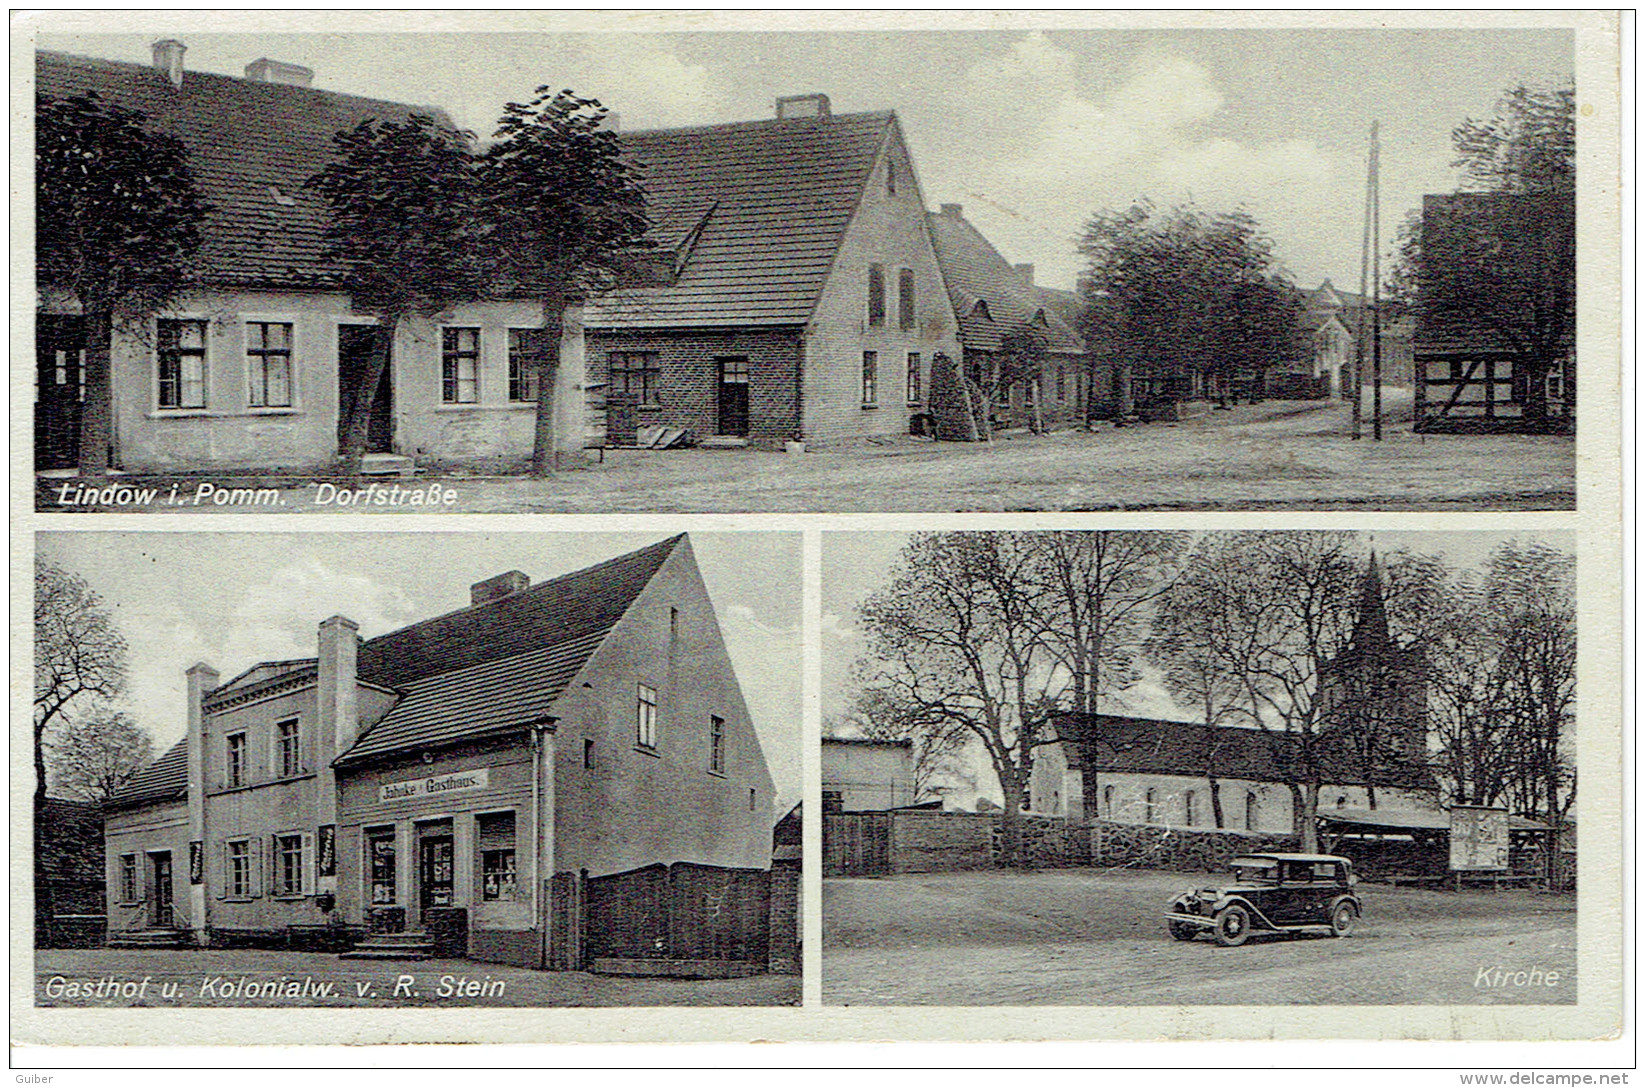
{"points": [[1376, 289], [1364, 293]]}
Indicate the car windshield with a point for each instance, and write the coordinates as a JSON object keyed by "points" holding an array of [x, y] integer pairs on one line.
{"points": [[1256, 870]]}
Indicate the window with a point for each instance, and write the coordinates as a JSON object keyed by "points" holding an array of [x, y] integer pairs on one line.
{"points": [[288, 865], [1148, 807], [645, 730], [636, 374], [290, 749], [238, 884], [460, 366], [1250, 812], [891, 176], [498, 880], [833, 800], [182, 363], [914, 377], [716, 744], [523, 355], [752, 795], [268, 363], [380, 865], [588, 754], [876, 295], [234, 766], [1062, 384], [1189, 816], [128, 878], [1108, 801], [870, 377], [905, 298]]}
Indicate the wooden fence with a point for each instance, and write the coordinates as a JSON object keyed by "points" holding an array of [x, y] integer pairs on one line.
{"points": [[856, 843]]}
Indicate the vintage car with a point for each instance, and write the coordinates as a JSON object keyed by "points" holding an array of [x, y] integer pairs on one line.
{"points": [[1270, 893]]}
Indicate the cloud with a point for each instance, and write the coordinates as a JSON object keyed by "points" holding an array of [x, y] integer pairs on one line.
{"points": [[1035, 173], [641, 77]]}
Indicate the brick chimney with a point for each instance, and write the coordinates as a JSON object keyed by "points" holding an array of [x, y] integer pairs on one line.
{"points": [[335, 690], [264, 70], [202, 679], [1027, 273], [952, 211], [498, 587], [803, 107], [168, 58]]}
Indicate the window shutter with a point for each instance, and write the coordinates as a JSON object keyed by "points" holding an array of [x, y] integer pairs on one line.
{"points": [[308, 863], [141, 877], [224, 873], [256, 852]]}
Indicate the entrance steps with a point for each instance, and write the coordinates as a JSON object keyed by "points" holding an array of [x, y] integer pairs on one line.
{"points": [[387, 464], [393, 946], [151, 938]]}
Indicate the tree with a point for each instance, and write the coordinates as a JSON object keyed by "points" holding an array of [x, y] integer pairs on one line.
{"points": [[406, 223], [1021, 360], [117, 228], [938, 745], [93, 756], [1529, 146], [567, 210], [1185, 297], [1281, 606], [79, 654]]}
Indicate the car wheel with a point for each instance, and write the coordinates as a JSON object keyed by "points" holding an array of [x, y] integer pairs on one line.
{"points": [[1342, 919], [1182, 931], [1233, 925]]}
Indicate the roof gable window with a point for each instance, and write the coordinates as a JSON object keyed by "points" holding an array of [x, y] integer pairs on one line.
{"points": [[876, 295]]}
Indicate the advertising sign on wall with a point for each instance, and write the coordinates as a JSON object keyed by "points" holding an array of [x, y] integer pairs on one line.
{"points": [[435, 785], [1479, 839]]}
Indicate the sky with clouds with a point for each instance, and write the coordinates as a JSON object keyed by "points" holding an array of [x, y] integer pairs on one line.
{"points": [[1031, 130], [234, 599], [855, 564]]}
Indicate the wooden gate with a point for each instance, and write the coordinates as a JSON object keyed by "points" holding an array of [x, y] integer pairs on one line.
{"points": [[856, 843], [680, 919]]}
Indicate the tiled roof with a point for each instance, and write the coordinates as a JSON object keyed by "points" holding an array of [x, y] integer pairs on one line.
{"points": [[1065, 304], [974, 270], [266, 670], [477, 700], [772, 200], [71, 840], [552, 613], [251, 147], [165, 779], [1149, 746]]}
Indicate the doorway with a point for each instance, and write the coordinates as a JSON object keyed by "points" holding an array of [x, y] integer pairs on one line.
{"points": [[436, 871], [354, 347], [160, 911], [733, 399], [59, 389]]}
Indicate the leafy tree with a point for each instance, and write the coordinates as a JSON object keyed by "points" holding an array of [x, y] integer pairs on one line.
{"points": [[92, 756], [567, 210], [1021, 360], [1184, 296], [1529, 146], [79, 654], [406, 225], [117, 228]]}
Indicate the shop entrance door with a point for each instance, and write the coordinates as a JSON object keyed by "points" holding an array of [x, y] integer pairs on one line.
{"points": [[160, 913], [436, 870], [733, 400], [59, 389]]}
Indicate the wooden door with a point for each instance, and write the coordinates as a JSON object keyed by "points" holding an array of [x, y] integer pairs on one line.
{"points": [[733, 398], [436, 868], [59, 383], [354, 346], [160, 904]]}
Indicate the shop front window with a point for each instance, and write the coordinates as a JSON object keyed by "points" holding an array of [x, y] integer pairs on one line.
{"points": [[381, 862], [498, 871]]}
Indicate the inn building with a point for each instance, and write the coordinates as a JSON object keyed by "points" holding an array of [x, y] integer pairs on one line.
{"points": [[451, 786]]}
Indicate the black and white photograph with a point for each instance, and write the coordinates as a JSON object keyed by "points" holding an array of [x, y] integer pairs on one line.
{"points": [[918, 270], [420, 770], [1178, 768]]}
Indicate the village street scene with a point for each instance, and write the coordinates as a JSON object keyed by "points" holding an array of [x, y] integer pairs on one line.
{"points": [[573, 782], [1181, 768], [724, 272]]}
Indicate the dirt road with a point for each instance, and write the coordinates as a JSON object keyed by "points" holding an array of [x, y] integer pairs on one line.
{"points": [[1277, 455], [1089, 937]]}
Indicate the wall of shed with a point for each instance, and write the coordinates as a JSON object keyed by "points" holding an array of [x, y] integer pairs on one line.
{"points": [[891, 231], [868, 776], [636, 807], [138, 831]]}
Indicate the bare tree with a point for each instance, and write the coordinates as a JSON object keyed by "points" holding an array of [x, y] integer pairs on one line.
{"points": [[79, 653], [93, 755], [938, 744]]}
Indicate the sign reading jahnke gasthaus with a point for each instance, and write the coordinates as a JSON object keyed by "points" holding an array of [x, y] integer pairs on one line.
{"points": [[456, 782]]}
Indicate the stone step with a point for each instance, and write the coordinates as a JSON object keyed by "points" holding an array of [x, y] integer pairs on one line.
{"points": [[150, 938], [361, 952], [387, 464]]}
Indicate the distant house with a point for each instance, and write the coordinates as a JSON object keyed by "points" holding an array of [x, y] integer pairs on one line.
{"points": [[1144, 771], [1330, 325], [794, 296], [257, 366], [1495, 321], [992, 299], [464, 780], [861, 774]]}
